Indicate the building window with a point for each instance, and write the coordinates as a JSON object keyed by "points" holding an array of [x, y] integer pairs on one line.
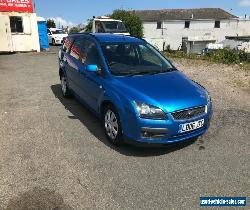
{"points": [[16, 24], [187, 24], [159, 25], [217, 24]]}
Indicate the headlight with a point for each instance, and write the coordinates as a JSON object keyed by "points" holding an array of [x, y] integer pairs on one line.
{"points": [[149, 111]]}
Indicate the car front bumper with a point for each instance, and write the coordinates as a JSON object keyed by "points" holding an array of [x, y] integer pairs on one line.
{"points": [[164, 131], [58, 41]]}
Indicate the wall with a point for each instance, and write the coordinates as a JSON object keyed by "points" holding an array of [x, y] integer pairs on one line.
{"points": [[243, 27], [20, 42], [172, 32]]}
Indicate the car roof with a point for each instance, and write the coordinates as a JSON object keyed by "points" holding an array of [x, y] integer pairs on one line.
{"points": [[108, 37]]}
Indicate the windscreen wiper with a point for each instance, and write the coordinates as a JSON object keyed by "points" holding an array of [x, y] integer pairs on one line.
{"points": [[169, 70], [143, 72]]}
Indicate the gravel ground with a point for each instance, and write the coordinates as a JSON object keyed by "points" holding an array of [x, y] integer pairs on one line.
{"points": [[53, 154]]}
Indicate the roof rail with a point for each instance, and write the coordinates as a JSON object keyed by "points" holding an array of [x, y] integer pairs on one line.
{"points": [[83, 33]]}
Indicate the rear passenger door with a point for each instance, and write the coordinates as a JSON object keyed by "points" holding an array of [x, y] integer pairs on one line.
{"points": [[74, 66]]}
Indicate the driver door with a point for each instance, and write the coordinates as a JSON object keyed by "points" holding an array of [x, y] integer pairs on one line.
{"points": [[91, 83]]}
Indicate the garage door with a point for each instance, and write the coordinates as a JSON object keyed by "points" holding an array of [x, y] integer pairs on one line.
{"points": [[197, 47]]}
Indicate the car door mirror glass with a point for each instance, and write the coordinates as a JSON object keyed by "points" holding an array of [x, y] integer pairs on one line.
{"points": [[92, 68]]}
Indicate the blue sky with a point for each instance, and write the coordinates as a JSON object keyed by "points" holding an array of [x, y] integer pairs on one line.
{"points": [[78, 11]]}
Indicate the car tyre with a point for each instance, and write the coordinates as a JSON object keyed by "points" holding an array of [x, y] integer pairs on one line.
{"points": [[64, 87], [112, 126], [53, 42]]}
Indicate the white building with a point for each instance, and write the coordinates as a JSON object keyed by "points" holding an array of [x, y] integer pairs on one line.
{"points": [[190, 29], [18, 27]]}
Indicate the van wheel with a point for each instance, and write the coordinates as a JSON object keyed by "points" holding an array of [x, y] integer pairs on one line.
{"points": [[112, 125], [64, 87], [53, 42]]}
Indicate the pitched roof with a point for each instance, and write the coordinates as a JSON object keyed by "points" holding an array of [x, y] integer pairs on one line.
{"points": [[184, 14]]}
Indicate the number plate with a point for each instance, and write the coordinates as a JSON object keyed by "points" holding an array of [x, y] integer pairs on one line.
{"points": [[191, 126]]}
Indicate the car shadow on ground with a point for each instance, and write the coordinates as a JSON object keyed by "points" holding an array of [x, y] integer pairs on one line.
{"points": [[38, 198], [92, 123]]}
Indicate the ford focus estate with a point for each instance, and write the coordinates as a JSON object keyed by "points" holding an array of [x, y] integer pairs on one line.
{"points": [[137, 93]]}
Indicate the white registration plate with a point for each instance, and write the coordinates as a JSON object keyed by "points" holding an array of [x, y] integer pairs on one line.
{"points": [[191, 126]]}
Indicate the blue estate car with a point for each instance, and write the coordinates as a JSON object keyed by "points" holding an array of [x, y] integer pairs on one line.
{"points": [[137, 93]]}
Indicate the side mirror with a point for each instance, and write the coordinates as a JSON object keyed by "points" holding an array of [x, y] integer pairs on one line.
{"points": [[92, 68]]}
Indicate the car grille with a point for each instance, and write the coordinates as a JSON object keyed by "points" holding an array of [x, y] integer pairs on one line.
{"points": [[189, 113]]}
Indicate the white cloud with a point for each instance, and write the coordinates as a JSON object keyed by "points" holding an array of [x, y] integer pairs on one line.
{"points": [[245, 3], [62, 22]]}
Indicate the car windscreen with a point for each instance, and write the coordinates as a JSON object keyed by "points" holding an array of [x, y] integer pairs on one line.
{"points": [[113, 27], [134, 59], [58, 32]]}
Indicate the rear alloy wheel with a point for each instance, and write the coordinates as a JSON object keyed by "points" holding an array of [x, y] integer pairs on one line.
{"points": [[64, 87], [112, 127]]}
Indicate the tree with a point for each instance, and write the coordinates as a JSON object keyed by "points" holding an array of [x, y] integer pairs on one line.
{"points": [[74, 30], [51, 23], [131, 21], [89, 25]]}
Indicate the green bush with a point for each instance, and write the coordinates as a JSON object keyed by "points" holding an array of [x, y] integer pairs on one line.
{"points": [[227, 56], [180, 54]]}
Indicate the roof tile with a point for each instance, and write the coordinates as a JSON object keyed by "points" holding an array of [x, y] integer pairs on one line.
{"points": [[183, 14]]}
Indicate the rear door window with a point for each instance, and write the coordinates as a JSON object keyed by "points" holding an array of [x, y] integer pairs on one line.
{"points": [[76, 51], [86, 52]]}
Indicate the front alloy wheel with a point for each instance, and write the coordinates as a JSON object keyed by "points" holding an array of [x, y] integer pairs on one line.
{"points": [[112, 126]]}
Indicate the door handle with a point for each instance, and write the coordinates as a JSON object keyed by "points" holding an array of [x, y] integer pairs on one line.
{"points": [[81, 72]]}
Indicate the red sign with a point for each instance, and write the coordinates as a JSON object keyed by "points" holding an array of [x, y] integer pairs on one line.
{"points": [[16, 5]]}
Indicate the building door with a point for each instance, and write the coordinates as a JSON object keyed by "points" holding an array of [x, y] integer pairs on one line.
{"points": [[5, 35], [184, 45]]}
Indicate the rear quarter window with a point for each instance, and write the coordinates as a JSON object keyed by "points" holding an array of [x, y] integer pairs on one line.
{"points": [[67, 44]]}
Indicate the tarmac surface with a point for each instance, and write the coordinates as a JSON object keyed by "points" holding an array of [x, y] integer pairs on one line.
{"points": [[54, 155]]}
